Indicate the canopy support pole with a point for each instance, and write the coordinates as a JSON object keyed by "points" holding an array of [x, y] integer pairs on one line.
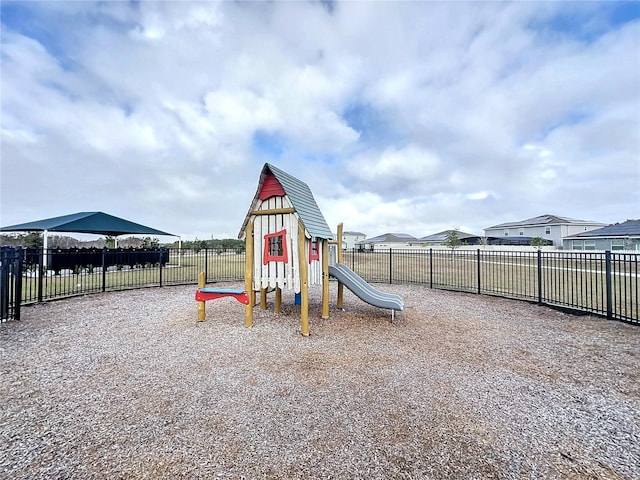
{"points": [[45, 249]]}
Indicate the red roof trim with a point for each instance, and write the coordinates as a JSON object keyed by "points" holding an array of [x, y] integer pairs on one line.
{"points": [[271, 188]]}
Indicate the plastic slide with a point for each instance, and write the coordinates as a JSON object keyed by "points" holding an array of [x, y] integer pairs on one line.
{"points": [[363, 290]]}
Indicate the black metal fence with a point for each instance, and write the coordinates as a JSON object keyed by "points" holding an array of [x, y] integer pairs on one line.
{"points": [[75, 259], [605, 284], [56, 273], [11, 261], [602, 283]]}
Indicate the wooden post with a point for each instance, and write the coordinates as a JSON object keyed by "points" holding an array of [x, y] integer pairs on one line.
{"points": [[278, 300], [304, 281], [202, 312], [325, 279], [263, 298], [339, 239], [340, 301], [248, 274]]}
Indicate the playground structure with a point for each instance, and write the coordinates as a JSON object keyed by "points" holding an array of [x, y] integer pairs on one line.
{"points": [[287, 246]]}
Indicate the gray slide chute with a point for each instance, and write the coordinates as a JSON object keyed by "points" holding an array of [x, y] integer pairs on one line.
{"points": [[363, 290]]}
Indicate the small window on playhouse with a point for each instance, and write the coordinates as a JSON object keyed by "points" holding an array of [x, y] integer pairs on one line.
{"points": [[275, 247], [314, 250]]}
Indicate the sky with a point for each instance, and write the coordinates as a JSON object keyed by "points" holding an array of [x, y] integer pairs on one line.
{"points": [[403, 117]]}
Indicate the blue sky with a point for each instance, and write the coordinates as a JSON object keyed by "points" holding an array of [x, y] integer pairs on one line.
{"points": [[410, 117]]}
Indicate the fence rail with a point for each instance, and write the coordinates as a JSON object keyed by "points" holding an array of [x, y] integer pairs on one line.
{"points": [[605, 284]]}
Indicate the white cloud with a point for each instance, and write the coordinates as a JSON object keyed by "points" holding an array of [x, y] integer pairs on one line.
{"points": [[465, 114], [478, 195], [407, 169], [240, 112], [158, 19]]}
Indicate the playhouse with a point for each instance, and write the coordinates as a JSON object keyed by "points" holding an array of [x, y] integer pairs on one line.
{"points": [[287, 246], [286, 239]]}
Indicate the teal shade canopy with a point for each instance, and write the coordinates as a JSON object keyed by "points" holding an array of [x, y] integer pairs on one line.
{"points": [[86, 222]]}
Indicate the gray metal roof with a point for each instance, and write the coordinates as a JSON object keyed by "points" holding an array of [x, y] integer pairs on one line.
{"points": [[301, 198], [442, 236], [630, 228], [389, 238], [545, 219]]}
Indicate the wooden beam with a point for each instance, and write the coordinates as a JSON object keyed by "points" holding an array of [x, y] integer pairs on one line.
{"points": [[340, 301], [278, 301], [304, 282], [202, 312], [248, 274], [325, 279], [273, 211], [339, 235], [263, 299]]}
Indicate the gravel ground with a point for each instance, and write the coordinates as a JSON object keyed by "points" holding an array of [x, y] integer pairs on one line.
{"points": [[129, 385]]}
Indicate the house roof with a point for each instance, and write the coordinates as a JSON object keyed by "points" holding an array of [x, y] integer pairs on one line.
{"points": [[389, 238], [442, 236], [352, 233], [301, 199], [86, 222], [545, 219], [630, 228]]}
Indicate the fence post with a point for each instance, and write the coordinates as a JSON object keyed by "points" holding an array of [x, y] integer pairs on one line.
{"points": [[206, 264], [4, 282], [41, 272], [607, 260], [18, 279], [390, 266], [431, 268], [479, 286], [10, 282], [104, 269], [160, 264], [539, 277]]}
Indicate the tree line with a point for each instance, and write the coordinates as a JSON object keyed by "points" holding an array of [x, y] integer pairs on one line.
{"points": [[224, 244], [36, 240]]}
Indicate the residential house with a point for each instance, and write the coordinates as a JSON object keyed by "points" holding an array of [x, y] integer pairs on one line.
{"points": [[388, 240], [548, 227], [349, 239], [619, 236]]}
